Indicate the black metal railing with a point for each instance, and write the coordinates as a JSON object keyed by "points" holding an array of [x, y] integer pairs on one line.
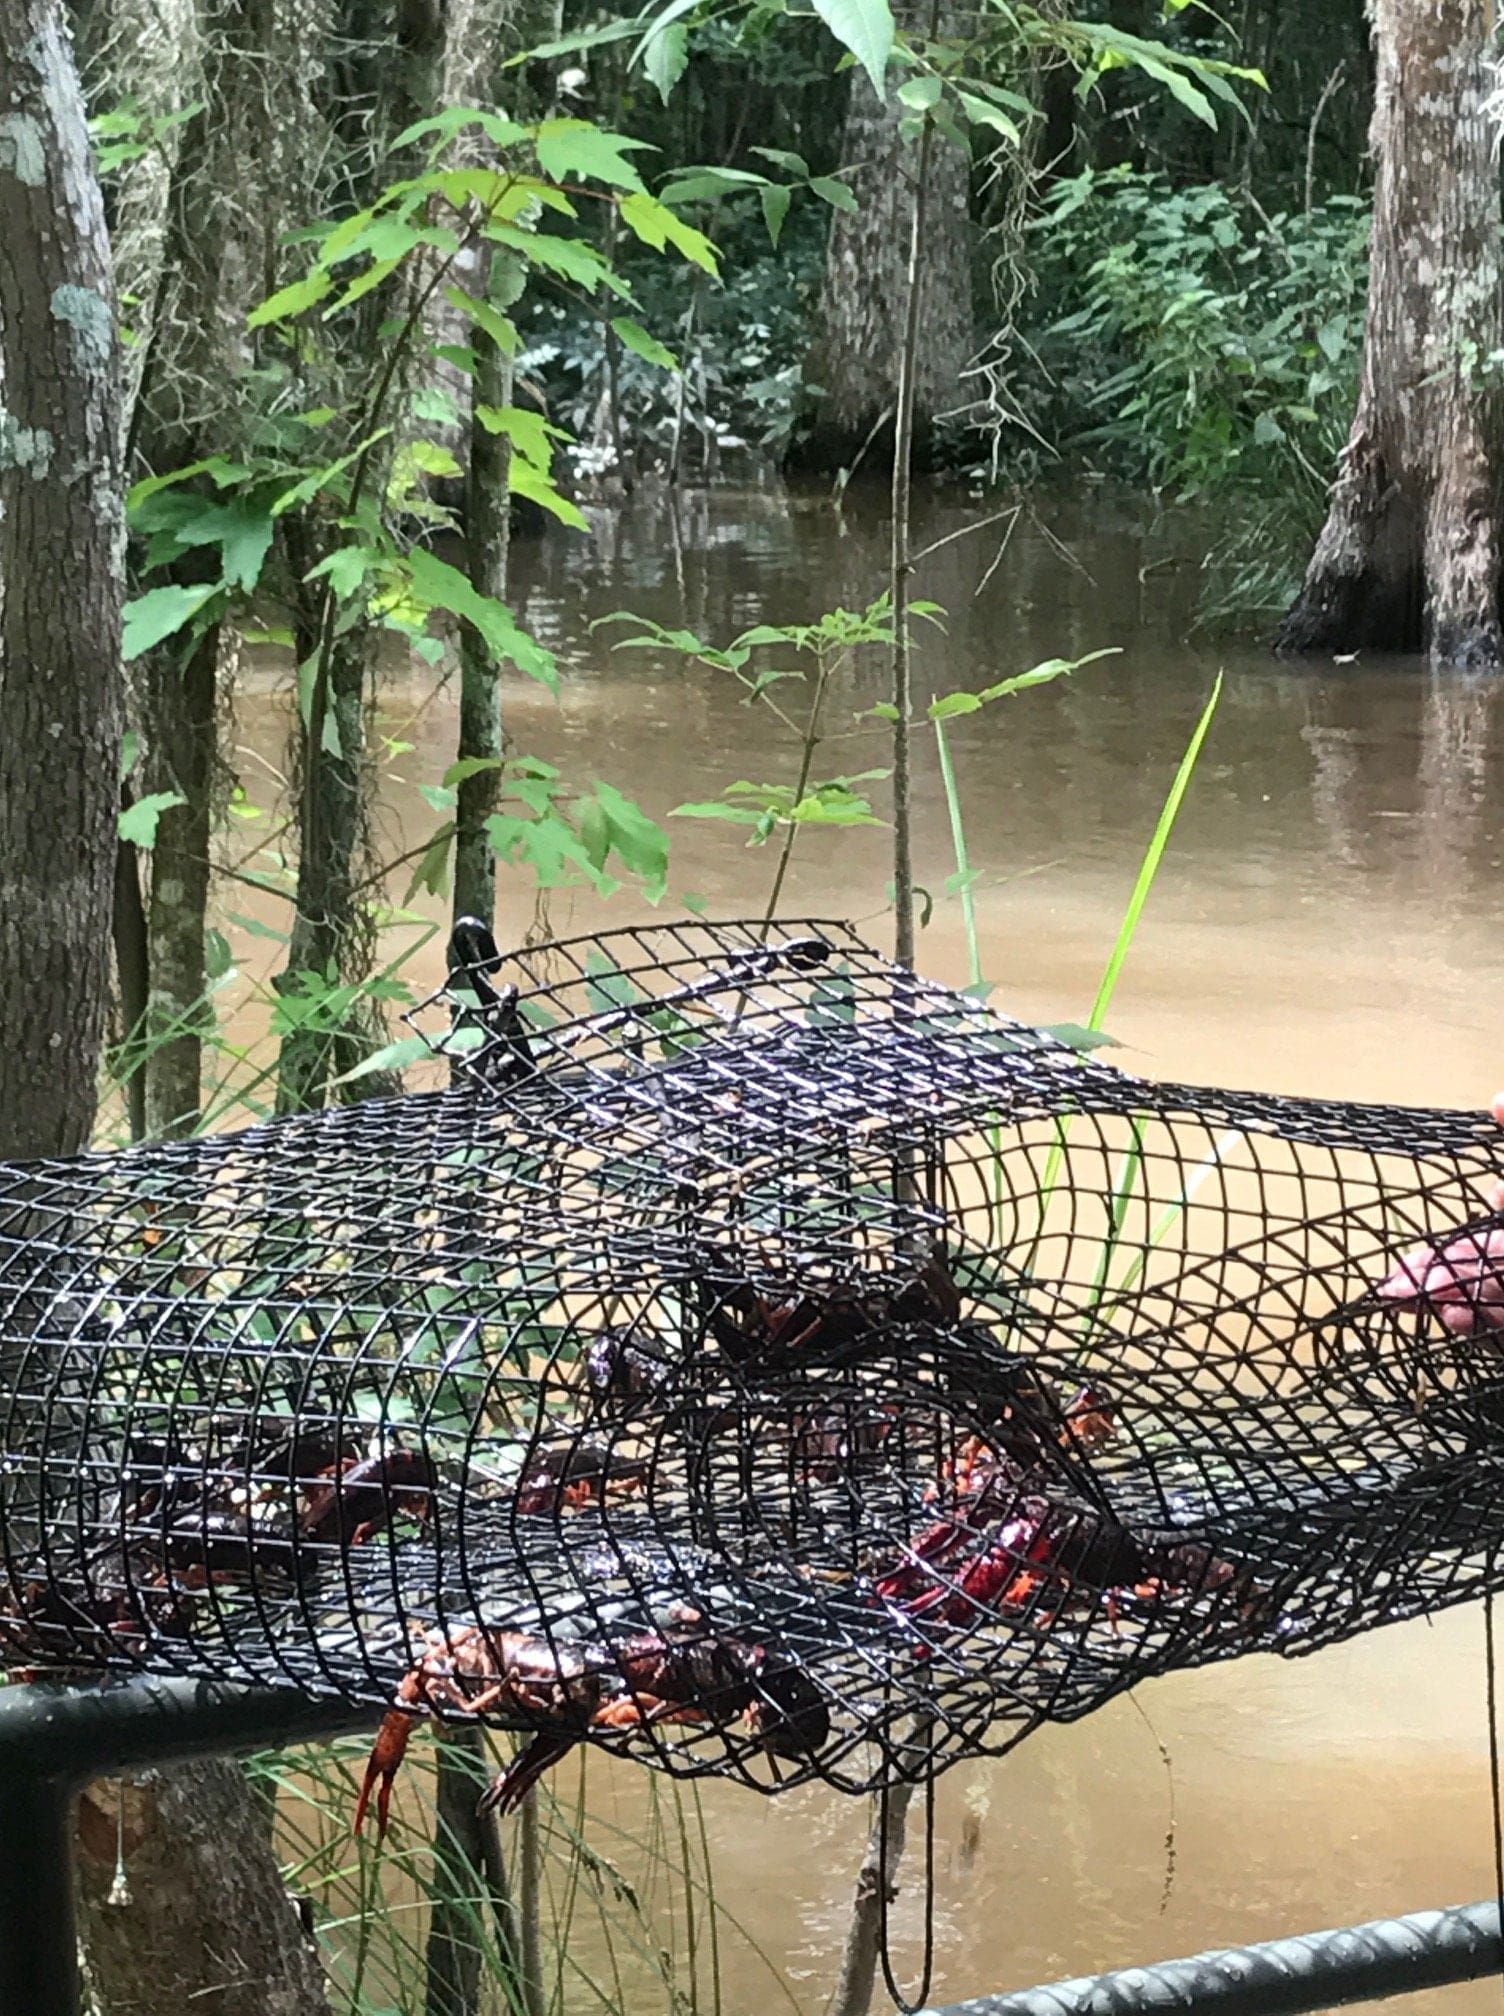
{"points": [[1279, 1977]]}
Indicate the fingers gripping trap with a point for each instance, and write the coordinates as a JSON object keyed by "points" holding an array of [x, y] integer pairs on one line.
{"points": [[757, 1356]]}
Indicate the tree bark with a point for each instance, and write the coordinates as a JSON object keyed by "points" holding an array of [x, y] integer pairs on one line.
{"points": [[179, 704], [221, 1905], [1409, 556], [855, 361], [204, 1922], [60, 593], [864, 1928], [488, 531]]}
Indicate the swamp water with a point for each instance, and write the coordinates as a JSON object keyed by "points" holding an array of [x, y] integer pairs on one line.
{"points": [[1326, 923]]}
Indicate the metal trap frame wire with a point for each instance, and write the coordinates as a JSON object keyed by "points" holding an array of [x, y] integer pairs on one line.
{"points": [[761, 1360]]}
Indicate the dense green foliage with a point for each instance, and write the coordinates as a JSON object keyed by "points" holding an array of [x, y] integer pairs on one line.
{"points": [[1187, 342]]}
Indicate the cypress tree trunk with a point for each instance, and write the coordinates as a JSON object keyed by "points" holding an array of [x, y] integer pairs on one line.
{"points": [[60, 593], [1409, 556], [206, 1923], [855, 361], [199, 1844]]}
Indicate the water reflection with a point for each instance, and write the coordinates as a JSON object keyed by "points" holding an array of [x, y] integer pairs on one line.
{"points": [[1325, 923]]}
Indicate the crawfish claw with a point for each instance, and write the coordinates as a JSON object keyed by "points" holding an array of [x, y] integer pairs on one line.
{"points": [[387, 1753], [506, 1792]]}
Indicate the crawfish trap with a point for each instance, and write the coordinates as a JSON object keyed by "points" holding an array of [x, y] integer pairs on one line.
{"points": [[759, 1359]]}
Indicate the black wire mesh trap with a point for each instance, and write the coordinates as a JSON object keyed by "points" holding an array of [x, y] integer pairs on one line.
{"points": [[760, 1359]]}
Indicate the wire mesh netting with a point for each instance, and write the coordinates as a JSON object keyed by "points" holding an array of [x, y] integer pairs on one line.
{"points": [[760, 1359]]}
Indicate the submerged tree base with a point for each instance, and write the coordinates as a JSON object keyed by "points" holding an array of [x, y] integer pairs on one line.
{"points": [[1409, 558], [1389, 574]]}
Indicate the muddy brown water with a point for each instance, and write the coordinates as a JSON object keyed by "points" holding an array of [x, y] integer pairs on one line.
{"points": [[1327, 922]]}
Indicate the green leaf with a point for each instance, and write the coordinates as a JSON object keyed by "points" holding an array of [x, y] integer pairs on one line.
{"points": [[571, 258], [791, 164], [670, 16], [291, 300], [500, 328], [656, 225], [702, 184], [161, 613], [316, 480], [865, 27], [578, 148], [471, 766], [220, 472], [138, 822], [241, 529], [444, 587], [980, 113], [526, 479], [1079, 1037], [346, 569], [639, 842], [738, 815], [775, 199], [832, 190], [642, 345], [391, 1057], [920, 94], [1332, 337], [951, 704], [527, 430], [665, 56], [574, 45], [130, 749], [455, 119], [364, 283], [1153, 856]]}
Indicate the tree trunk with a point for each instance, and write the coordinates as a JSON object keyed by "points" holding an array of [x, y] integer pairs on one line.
{"points": [[1409, 556], [60, 593], [488, 529], [327, 927], [178, 701], [869, 1906], [855, 362], [60, 725], [204, 1922]]}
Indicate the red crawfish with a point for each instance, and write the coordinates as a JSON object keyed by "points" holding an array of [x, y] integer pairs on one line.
{"points": [[563, 1691]]}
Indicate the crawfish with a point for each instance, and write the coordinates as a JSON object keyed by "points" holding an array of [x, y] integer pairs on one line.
{"points": [[359, 1499], [474, 1671], [1039, 1541], [577, 1474], [683, 1675]]}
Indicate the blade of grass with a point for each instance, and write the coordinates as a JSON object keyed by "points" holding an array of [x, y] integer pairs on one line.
{"points": [[958, 846], [1154, 855], [1149, 867]]}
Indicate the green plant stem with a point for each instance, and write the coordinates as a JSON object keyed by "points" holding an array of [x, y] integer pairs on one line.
{"points": [[806, 762], [899, 569], [1149, 868], [958, 845]]}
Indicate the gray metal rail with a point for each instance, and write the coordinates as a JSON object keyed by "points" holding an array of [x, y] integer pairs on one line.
{"points": [[1280, 1977]]}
